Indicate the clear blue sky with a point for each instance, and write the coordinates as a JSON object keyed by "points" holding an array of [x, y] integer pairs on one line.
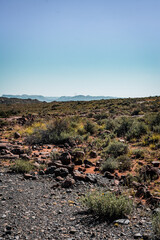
{"points": [[69, 47]]}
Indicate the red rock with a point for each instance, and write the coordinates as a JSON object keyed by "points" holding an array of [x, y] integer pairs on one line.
{"points": [[69, 182], [79, 176]]}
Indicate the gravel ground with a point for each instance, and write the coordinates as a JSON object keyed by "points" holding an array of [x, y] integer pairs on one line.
{"points": [[33, 209]]}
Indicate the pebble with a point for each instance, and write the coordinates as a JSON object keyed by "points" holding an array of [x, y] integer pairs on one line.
{"points": [[122, 221], [137, 235]]}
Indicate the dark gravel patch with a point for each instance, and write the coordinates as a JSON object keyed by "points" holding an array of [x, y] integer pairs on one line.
{"points": [[32, 209]]}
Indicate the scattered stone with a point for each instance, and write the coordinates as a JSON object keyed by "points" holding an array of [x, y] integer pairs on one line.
{"points": [[137, 235], [65, 158], [93, 154], [4, 146], [17, 150], [79, 154], [79, 176], [78, 162], [63, 172], [108, 175], [59, 179], [156, 210], [69, 182], [122, 221], [17, 135], [91, 178], [156, 163], [73, 230], [41, 172], [87, 162], [50, 170]]}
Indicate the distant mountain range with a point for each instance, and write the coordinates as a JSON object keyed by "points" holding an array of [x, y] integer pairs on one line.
{"points": [[59, 99]]}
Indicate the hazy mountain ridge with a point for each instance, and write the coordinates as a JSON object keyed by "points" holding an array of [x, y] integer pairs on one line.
{"points": [[60, 99]]}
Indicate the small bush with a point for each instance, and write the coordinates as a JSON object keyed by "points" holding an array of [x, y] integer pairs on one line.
{"points": [[58, 131], [21, 166], [124, 163], [90, 127], [110, 165], [153, 120], [107, 204], [156, 225], [109, 124], [138, 153], [137, 130], [122, 126], [116, 149]]}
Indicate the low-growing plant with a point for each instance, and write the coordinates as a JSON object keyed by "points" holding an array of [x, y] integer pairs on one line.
{"points": [[110, 165], [156, 225], [137, 130], [124, 163], [153, 120], [116, 149], [138, 153], [123, 125], [107, 204], [90, 127], [57, 131], [21, 166]]}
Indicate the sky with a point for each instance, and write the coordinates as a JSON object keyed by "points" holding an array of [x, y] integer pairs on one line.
{"points": [[72, 47]]}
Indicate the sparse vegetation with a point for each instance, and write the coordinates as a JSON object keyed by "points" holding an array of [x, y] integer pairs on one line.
{"points": [[110, 165], [107, 204], [21, 166], [156, 225], [116, 149]]}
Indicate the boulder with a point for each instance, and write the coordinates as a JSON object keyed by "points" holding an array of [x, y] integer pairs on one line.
{"points": [[50, 170], [79, 154], [108, 175], [4, 146], [63, 172], [87, 162], [17, 150], [68, 182], [91, 178], [17, 135], [65, 158], [93, 154], [156, 163], [78, 162], [141, 192], [79, 176]]}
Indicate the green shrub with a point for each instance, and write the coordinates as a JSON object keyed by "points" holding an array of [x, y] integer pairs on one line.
{"points": [[151, 139], [156, 129], [138, 153], [21, 166], [109, 124], [153, 120], [116, 149], [110, 165], [124, 163], [100, 116], [156, 225], [137, 130], [90, 127], [123, 125], [58, 131], [107, 204]]}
